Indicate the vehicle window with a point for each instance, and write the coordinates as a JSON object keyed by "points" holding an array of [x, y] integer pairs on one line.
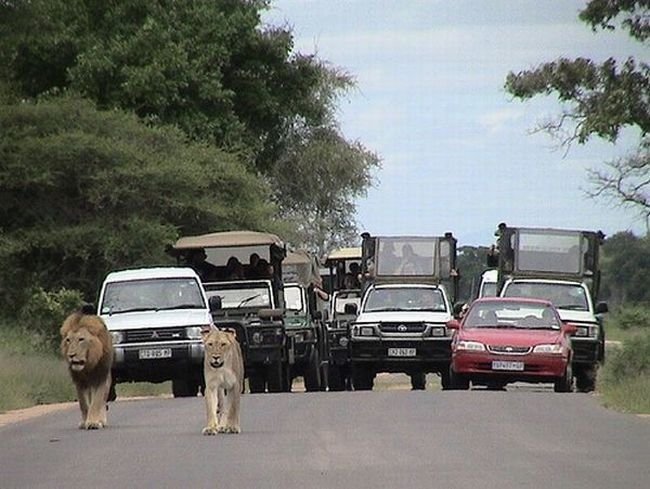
{"points": [[489, 289], [543, 251], [401, 256], [258, 297], [152, 294], [563, 296], [512, 315], [293, 299], [408, 299]]}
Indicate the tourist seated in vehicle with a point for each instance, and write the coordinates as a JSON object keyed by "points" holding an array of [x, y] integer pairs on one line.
{"points": [[234, 269], [409, 265], [197, 259]]}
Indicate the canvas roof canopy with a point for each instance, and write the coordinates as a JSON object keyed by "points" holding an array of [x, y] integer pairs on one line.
{"points": [[228, 239]]}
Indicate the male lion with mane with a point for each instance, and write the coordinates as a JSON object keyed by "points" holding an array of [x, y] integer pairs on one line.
{"points": [[87, 348], [223, 369]]}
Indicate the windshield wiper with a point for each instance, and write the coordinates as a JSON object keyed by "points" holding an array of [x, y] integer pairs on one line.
{"points": [[384, 309], [573, 307], [134, 309], [179, 306], [248, 299]]}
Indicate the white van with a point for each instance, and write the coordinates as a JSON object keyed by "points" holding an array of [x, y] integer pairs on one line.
{"points": [[155, 316]]}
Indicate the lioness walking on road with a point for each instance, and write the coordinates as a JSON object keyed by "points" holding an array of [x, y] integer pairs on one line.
{"points": [[223, 369]]}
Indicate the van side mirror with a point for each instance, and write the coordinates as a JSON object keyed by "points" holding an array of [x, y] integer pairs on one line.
{"points": [[350, 309], [214, 302], [88, 309], [602, 308]]}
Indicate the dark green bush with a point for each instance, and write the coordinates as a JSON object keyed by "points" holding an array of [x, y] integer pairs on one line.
{"points": [[44, 313], [631, 360], [633, 317]]}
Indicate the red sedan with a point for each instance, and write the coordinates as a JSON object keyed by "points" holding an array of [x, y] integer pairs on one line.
{"points": [[503, 340]]}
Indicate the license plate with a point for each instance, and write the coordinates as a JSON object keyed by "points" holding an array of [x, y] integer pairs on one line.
{"points": [[501, 365], [154, 353], [401, 352]]}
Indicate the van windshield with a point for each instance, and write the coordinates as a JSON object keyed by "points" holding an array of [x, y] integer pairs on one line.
{"points": [[152, 294], [405, 299]]}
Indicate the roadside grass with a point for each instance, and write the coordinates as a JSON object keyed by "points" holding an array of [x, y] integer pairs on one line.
{"points": [[630, 395]]}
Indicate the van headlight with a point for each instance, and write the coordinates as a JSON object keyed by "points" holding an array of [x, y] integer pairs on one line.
{"points": [[194, 332], [587, 331], [438, 330], [117, 337], [363, 330]]}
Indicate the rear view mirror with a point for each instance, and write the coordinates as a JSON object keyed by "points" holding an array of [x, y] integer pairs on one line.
{"points": [[214, 302], [453, 324], [350, 309], [602, 308]]}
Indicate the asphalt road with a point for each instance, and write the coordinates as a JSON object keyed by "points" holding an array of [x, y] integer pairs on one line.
{"points": [[388, 439]]}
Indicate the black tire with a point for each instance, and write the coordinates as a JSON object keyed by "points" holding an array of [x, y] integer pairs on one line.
{"points": [[185, 387], [256, 383], [457, 381], [324, 376], [336, 378], [312, 373], [362, 379], [586, 378], [274, 377], [418, 381], [564, 383]]}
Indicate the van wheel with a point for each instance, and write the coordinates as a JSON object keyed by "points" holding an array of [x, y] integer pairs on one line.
{"points": [[418, 381], [336, 378], [274, 377], [586, 379], [457, 381], [185, 387]]}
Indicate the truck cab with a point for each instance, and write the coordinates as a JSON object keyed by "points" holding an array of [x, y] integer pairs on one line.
{"points": [[561, 266], [304, 323], [241, 272], [343, 267], [409, 285]]}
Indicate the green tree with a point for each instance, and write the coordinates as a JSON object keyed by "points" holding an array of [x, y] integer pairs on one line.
{"points": [[208, 67], [625, 265], [601, 100], [85, 191], [471, 263], [317, 181]]}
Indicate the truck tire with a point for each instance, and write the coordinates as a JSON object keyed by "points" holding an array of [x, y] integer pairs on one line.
{"points": [[336, 378], [312, 373], [274, 377], [418, 381], [586, 378], [362, 379]]}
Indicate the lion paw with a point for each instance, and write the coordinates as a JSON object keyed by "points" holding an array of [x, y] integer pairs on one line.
{"points": [[229, 429], [210, 430], [91, 425]]}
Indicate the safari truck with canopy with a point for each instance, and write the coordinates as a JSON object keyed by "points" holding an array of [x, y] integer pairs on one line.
{"points": [[344, 267], [561, 266], [306, 333], [409, 285], [241, 273]]}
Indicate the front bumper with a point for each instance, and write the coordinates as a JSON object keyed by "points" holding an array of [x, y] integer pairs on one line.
{"points": [[166, 360], [536, 367], [586, 351], [432, 354]]}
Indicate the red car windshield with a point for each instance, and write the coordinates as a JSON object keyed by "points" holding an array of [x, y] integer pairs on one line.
{"points": [[512, 315]]}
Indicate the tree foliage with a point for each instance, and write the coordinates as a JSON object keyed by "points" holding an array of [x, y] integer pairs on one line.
{"points": [[210, 68], [316, 182], [84, 191], [625, 265], [601, 100]]}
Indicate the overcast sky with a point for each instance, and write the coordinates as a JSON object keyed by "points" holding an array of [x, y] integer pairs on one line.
{"points": [[457, 151]]}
